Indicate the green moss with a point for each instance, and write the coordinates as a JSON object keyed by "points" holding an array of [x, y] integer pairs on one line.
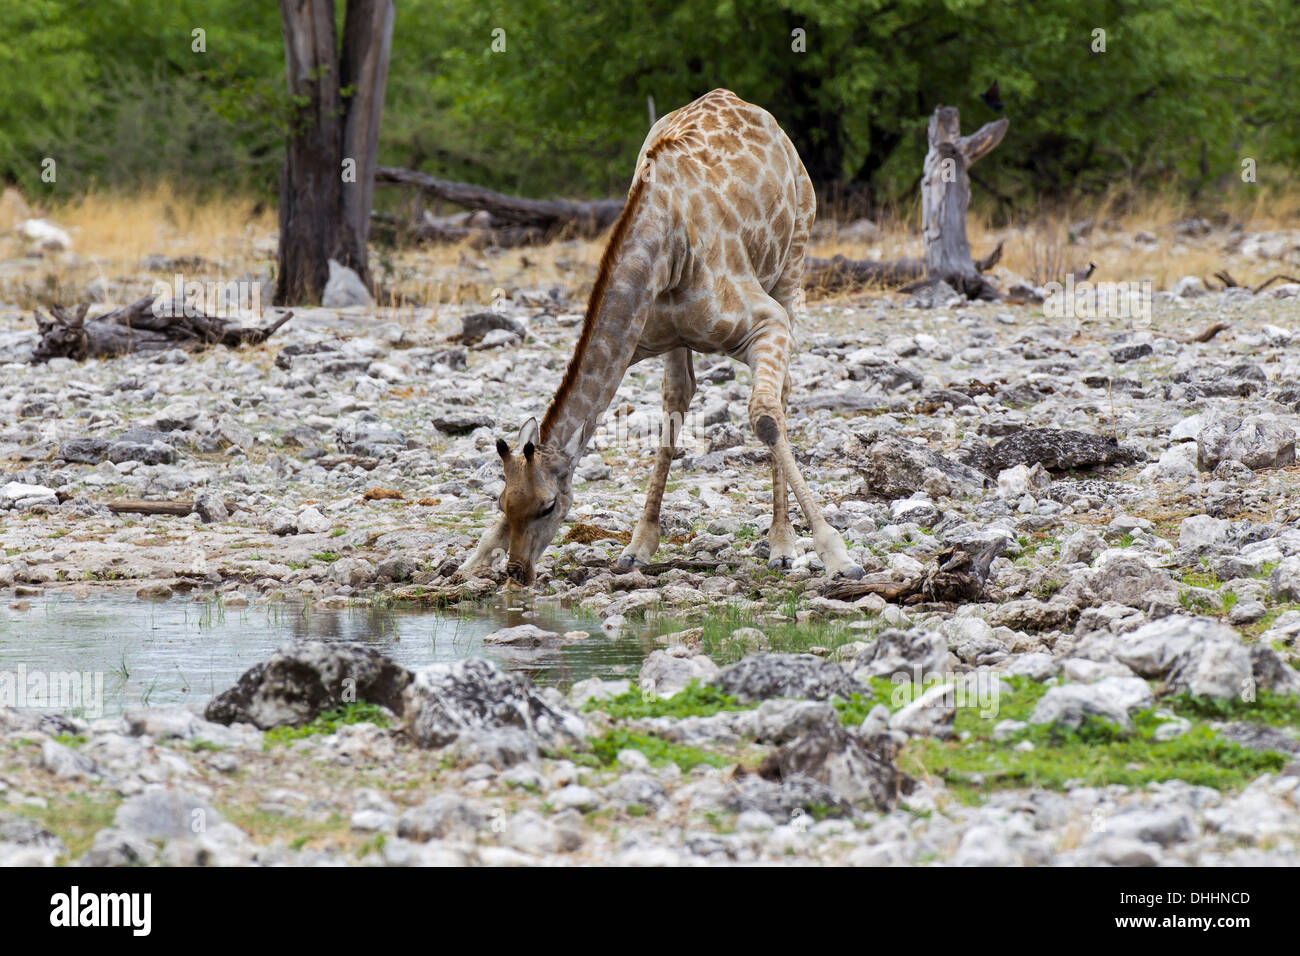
{"points": [[359, 712], [1094, 755], [853, 712], [692, 701], [604, 751], [1277, 710], [1098, 752]]}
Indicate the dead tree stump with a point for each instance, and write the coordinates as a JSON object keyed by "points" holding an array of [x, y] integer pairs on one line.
{"points": [[945, 196]]}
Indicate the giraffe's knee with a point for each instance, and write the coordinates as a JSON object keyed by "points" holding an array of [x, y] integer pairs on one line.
{"points": [[766, 427]]}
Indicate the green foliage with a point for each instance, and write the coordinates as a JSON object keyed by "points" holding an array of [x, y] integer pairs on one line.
{"points": [[1184, 92], [853, 712], [116, 94], [693, 700], [359, 712], [1098, 752], [604, 751], [1268, 707]]}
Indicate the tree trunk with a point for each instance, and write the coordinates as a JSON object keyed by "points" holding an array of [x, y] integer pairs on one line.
{"points": [[367, 44], [945, 195], [327, 181]]}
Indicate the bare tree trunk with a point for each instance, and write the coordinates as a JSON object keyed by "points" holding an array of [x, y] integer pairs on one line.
{"points": [[945, 196], [367, 44], [327, 181]]}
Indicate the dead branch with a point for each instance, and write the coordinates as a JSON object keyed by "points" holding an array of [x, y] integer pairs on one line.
{"points": [[551, 217], [1205, 336], [139, 506], [136, 327], [832, 275], [1268, 282]]}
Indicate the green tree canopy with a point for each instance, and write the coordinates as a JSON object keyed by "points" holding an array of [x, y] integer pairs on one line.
{"points": [[1181, 94]]}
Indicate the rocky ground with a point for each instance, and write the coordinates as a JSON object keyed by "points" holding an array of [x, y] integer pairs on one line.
{"points": [[1129, 652]]}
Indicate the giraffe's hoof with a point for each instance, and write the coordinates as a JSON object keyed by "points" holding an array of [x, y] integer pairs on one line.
{"points": [[852, 572], [467, 572], [780, 564], [626, 562]]}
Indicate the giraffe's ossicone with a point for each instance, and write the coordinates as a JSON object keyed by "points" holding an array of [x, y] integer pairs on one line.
{"points": [[707, 256]]}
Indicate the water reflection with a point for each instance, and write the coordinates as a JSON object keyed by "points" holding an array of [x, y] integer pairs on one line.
{"points": [[180, 651]]}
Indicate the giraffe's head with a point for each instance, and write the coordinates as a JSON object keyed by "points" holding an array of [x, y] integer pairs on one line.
{"points": [[535, 500]]}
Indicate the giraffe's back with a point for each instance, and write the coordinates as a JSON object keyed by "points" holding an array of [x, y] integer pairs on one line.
{"points": [[740, 205]]}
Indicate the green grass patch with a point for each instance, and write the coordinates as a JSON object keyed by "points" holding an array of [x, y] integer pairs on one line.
{"points": [[75, 819], [1202, 579], [1098, 752], [695, 700], [359, 712], [604, 751], [1276, 710]]}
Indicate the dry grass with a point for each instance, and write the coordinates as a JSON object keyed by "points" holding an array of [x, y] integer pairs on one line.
{"points": [[129, 227], [113, 233], [1053, 243]]}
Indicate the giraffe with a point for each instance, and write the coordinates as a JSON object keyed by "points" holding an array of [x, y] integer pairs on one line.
{"points": [[707, 256]]}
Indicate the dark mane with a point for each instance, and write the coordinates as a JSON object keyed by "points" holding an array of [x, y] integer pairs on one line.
{"points": [[607, 262]]}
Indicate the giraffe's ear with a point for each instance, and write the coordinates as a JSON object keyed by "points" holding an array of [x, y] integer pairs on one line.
{"points": [[575, 445], [530, 433], [503, 449]]}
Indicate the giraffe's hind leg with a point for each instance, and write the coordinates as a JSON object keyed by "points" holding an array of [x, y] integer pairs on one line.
{"points": [[769, 357], [782, 549], [781, 540], [678, 389]]}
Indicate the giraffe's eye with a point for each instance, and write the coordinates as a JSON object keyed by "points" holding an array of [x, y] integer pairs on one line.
{"points": [[548, 509]]}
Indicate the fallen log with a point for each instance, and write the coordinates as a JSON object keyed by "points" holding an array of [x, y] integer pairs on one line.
{"points": [[841, 272], [550, 217], [137, 328], [141, 506], [448, 230]]}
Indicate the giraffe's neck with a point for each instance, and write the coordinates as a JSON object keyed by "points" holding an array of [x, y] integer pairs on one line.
{"points": [[616, 314]]}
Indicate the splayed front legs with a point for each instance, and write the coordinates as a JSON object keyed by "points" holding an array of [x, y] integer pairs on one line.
{"points": [[678, 390]]}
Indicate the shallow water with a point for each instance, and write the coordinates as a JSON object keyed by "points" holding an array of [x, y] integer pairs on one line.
{"points": [[181, 651]]}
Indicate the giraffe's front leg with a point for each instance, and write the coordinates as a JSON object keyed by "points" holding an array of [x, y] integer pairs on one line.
{"points": [[678, 389], [496, 538], [645, 539]]}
